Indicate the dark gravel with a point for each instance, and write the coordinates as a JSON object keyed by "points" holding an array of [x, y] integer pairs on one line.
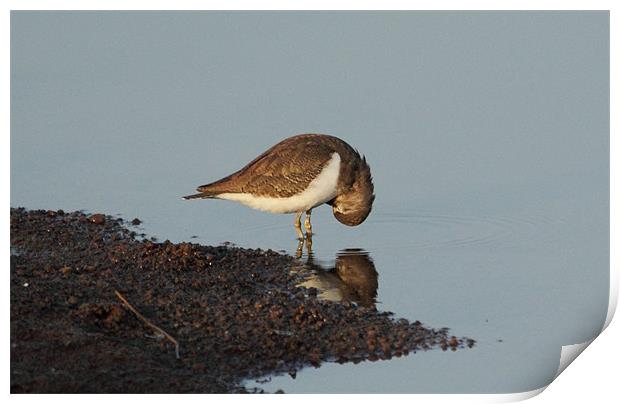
{"points": [[236, 313]]}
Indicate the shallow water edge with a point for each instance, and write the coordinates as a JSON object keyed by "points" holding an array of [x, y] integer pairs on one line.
{"points": [[234, 313]]}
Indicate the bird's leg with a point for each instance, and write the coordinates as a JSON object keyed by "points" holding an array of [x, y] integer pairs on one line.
{"points": [[309, 244], [300, 234], [307, 223], [300, 249]]}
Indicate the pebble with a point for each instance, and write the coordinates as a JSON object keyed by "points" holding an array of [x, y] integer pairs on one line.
{"points": [[97, 218]]}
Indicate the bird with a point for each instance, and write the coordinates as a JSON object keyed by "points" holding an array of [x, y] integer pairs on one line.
{"points": [[298, 174]]}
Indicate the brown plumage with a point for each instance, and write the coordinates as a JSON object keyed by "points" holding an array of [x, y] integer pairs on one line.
{"points": [[289, 167]]}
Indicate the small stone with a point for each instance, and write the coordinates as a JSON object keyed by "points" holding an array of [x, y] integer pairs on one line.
{"points": [[453, 342], [65, 271], [136, 221], [97, 218]]}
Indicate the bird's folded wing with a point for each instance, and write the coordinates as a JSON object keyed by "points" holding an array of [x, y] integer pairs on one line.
{"points": [[282, 171], [289, 171]]}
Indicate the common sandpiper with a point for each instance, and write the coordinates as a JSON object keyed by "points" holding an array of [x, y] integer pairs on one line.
{"points": [[299, 174]]}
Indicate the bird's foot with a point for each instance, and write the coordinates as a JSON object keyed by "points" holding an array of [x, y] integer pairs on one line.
{"points": [[300, 245]]}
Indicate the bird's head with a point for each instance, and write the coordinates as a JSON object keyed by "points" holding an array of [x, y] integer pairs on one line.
{"points": [[353, 206]]}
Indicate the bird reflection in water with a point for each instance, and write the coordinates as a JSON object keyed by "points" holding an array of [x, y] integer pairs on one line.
{"points": [[353, 278]]}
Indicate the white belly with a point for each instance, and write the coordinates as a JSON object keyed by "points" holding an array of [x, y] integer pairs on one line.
{"points": [[321, 189]]}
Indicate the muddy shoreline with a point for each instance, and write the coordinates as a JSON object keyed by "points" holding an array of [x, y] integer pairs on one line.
{"points": [[236, 314]]}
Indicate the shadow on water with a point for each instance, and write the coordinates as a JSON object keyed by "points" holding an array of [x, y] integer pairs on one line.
{"points": [[352, 277]]}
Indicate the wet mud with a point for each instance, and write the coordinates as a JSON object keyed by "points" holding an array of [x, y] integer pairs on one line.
{"points": [[96, 308]]}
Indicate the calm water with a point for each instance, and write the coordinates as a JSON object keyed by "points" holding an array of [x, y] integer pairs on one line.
{"points": [[487, 135]]}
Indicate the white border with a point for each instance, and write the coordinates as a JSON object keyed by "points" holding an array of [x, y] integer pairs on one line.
{"points": [[591, 376]]}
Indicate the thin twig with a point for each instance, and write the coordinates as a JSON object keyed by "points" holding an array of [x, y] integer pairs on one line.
{"points": [[147, 322]]}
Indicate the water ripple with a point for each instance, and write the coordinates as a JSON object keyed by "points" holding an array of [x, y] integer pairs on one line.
{"points": [[431, 230]]}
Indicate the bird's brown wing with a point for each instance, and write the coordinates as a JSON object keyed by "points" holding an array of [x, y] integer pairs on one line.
{"points": [[282, 171]]}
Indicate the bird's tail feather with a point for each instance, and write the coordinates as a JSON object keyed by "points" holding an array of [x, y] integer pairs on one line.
{"points": [[202, 195]]}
